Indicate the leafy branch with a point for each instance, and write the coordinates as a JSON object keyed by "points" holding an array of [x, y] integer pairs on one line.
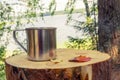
{"points": [[87, 26]]}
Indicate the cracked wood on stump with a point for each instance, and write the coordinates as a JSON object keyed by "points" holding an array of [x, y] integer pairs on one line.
{"points": [[18, 67]]}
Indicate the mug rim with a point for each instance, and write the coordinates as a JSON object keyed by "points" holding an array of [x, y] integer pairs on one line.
{"points": [[40, 28]]}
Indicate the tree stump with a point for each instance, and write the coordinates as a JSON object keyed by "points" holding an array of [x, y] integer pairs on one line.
{"points": [[18, 67]]}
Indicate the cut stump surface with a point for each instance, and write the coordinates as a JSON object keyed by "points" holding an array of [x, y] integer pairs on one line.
{"points": [[18, 67]]}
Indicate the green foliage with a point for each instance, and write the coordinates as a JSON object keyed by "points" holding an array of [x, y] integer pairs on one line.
{"points": [[2, 24], [83, 44], [5, 11], [35, 9], [88, 26], [52, 7], [5, 18], [70, 6], [2, 72], [2, 53], [69, 9], [2, 66]]}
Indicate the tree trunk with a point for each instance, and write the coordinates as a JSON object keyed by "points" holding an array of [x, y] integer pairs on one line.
{"points": [[109, 26], [109, 35]]}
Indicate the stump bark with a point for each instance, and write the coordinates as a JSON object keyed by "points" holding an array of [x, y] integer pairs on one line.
{"points": [[18, 67]]}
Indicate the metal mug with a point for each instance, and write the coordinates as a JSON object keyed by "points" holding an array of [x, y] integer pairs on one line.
{"points": [[41, 43]]}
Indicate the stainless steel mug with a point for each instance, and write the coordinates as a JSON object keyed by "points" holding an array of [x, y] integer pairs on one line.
{"points": [[41, 43]]}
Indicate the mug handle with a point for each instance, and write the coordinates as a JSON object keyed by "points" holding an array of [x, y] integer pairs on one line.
{"points": [[16, 40]]}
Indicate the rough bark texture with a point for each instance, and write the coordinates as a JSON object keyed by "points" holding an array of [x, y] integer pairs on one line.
{"points": [[116, 73], [109, 36], [109, 27], [102, 71], [15, 73]]}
